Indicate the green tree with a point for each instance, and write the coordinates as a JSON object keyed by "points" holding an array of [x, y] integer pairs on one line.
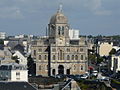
{"points": [[31, 66], [113, 51]]}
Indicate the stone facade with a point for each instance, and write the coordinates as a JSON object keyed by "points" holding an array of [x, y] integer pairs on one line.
{"points": [[57, 53]]}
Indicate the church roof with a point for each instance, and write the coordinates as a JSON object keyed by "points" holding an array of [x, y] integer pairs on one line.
{"points": [[59, 17]]}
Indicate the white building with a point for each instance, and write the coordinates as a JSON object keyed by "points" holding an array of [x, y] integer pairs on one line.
{"points": [[13, 72], [115, 63], [74, 34], [2, 35], [21, 58]]}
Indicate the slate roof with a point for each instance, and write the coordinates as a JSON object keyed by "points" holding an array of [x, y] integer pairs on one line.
{"points": [[118, 53], [16, 86]]}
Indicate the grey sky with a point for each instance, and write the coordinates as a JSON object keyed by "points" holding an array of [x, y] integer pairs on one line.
{"points": [[91, 17]]}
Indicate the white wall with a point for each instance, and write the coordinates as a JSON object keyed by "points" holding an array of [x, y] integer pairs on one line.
{"points": [[74, 34], [22, 59]]}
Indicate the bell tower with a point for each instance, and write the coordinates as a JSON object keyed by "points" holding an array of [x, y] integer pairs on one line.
{"points": [[59, 28]]}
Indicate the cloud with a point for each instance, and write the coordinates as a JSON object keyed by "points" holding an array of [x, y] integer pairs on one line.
{"points": [[10, 12], [96, 7]]}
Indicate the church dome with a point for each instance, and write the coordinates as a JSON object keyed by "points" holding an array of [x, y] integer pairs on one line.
{"points": [[59, 17]]}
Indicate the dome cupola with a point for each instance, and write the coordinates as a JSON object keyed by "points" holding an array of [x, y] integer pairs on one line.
{"points": [[59, 17]]}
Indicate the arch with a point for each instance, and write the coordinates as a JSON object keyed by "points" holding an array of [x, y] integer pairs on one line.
{"points": [[81, 67], [68, 57], [59, 29], [62, 30], [40, 57], [45, 57], [60, 69], [76, 57], [72, 57], [82, 57]]}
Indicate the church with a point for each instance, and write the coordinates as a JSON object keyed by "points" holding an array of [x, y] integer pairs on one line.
{"points": [[57, 53]]}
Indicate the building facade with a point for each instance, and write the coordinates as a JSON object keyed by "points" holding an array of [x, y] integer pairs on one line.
{"points": [[13, 72], [115, 62], [57, 53]]}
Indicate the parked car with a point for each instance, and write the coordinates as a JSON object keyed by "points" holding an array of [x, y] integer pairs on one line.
{"points": [[95, 73]]}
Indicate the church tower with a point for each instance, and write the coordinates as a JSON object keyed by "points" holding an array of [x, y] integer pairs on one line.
{"points": [[59, 28]]}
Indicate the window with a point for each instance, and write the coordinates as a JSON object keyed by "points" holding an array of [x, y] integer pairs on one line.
{"points": [[81, 67], [40, 57], [81, 49], [59, 28], [62, 30], [54, 57], [68, 50], [39, 67], [17, 73], [81, 57], [54, 50], [45, 57], [34, 52], [40, 50], [61, 55], [68, 57], [72, 57], [76, 57]]}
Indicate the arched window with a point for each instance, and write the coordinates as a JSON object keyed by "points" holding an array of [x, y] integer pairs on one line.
{"points": [[40, 57], [54, 57], [45, 57], [72, 57], [81, 67], [59, 29], [68, 57], [81, 57], [62, 30], [61, 55], [76, 57]]}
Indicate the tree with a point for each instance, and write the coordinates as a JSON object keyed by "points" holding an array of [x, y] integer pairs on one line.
{"points": [[113, 51], [31, 66]]}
